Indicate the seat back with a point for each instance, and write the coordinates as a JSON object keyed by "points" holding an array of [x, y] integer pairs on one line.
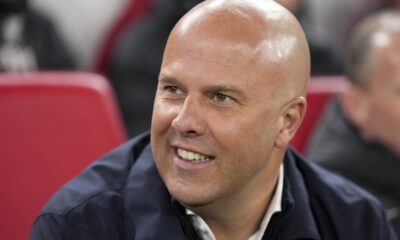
{"points": [[52, 125], [320, 91], [132, 12]]}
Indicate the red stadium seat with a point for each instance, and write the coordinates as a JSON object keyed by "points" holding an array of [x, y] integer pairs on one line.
{"points": [[134, 10], [320, 90], [52, 125]]}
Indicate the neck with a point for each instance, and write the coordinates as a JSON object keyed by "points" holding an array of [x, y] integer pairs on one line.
{"points": [[240, 217], [241, 223]]}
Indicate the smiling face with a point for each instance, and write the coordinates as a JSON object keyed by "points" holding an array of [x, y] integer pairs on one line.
{"points": [[220, 120]]}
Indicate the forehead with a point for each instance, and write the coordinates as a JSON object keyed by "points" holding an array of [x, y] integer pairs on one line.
{"points": [[242, 43], [215, 61]]}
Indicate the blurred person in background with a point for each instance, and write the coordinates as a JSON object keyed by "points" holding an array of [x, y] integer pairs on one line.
{"points": [[333, 21], [323, 61], [359, 135], [29, 41], [136, 59]]}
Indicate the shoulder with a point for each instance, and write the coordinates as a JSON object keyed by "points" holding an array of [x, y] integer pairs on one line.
{"points": [[104, 177], [335, 141], [325, 183], [341, 206], [328, 188], [95, 196]]}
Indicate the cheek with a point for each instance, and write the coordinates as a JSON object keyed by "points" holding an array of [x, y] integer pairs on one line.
{"points": [[246, 135], [160, 125], [384, 117], [391, 118], [246, 149], [161, 121], [162, 117], [157, 118]]}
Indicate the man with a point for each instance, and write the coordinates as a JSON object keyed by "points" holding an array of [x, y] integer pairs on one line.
{"points": [[229, 99], [359, 135]]}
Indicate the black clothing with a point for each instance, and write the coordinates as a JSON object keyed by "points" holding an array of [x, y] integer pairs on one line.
{"points": [[122, 196], [338, 146]]}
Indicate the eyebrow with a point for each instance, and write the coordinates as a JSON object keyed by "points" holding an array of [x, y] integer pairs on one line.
{"points": [[165, 79], [225, 89]]}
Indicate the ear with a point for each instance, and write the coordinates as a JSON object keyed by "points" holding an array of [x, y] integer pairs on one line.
{"points": [[291, 117], [355, 105]]}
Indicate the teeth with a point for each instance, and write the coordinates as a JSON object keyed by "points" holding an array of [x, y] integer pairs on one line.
{"points": [[193, 156]]}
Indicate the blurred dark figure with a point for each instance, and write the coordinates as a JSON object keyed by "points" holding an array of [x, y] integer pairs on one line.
{"points": [[359, 136], [136, 60], [322, 61], [28, 40], [390, 3]]}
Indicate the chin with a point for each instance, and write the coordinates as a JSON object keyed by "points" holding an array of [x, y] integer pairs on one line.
{"points": [[188, 196]]}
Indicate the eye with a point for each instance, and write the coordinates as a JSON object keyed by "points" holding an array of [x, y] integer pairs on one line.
{"points": [[171, 89], [219, 97]]}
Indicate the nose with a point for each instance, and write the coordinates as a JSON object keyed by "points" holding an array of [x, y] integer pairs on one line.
{"points": [[189, 120]]}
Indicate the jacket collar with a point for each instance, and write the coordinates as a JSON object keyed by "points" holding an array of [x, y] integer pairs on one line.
{"points": [[296, 221], [151, 214]]}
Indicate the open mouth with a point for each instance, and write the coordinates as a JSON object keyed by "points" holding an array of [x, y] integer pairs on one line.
{"points": [[193, 156]]}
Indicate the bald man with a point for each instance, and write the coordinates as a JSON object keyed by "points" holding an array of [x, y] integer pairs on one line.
{"points": [[216, 164]]}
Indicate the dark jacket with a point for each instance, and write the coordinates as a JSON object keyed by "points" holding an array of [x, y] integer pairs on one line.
{"points": [[122, 196], [338, 146]]}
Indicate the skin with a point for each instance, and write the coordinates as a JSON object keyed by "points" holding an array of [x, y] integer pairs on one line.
{"points": [[231, 86], [291, 5], [375, 109]]}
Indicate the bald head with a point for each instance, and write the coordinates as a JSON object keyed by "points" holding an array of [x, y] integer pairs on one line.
{"points": [[263, 32], [369, 37]]}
